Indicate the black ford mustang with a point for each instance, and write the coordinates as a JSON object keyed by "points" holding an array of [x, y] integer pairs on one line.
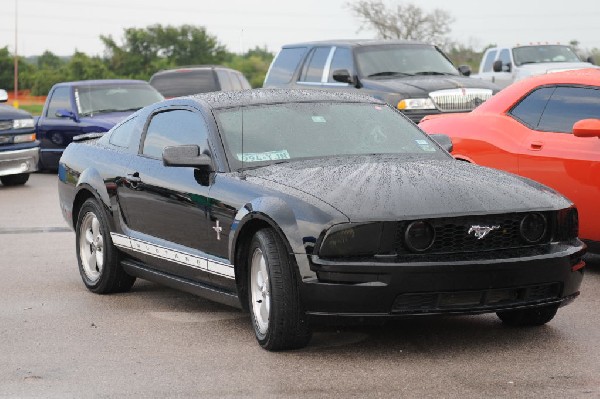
{"points": [[297, 205]]}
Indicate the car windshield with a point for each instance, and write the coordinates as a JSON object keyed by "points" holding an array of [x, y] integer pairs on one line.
{"points": [[274, 133], [396, 60], [536, 54], [107, 98]]}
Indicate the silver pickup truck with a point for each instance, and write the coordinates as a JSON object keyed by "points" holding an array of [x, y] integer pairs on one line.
{"points": [[505, 65]]}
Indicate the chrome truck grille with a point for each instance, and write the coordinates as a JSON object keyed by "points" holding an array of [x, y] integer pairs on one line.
{"points": [[455, 100]]}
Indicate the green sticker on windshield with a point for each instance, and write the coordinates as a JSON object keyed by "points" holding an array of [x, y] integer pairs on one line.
{"points": [[263, 156]]}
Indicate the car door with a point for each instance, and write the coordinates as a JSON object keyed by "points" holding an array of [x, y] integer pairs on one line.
{"points": [[557, 158], [166, 208]]}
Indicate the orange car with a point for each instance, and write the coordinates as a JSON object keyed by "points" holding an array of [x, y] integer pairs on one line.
{"points": [[546, 128]]}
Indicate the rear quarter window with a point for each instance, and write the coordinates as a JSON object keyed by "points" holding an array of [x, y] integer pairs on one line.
{"points": [[284, 66]]}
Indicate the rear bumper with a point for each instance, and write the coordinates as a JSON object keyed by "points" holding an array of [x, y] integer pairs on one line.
{"points": [[19, 161], [469, 287]]}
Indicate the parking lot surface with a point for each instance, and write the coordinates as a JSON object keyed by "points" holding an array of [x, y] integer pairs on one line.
{"points": [[59, 340]]}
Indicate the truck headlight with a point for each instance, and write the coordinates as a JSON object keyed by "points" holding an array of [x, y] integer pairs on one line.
{"points": [[416, 103], [23, 138], [22, 123]]}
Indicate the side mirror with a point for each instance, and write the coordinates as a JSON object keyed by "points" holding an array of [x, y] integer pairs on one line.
{"points": [[443, 140], [185, 155], [591, 60], [65, 113], [343, 76], [3, 96], [587, 128], [464, 70]]}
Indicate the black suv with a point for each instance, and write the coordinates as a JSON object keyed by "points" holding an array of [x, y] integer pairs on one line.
{"points": [[417, 78], [186, 81]]}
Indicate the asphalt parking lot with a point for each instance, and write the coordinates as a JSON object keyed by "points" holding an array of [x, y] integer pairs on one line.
{"points": [[59, 340]]}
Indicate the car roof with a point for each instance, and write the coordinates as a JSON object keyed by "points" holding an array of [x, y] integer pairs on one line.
{"points": [[225, 99], [100, 82], [506, 98], [354, 43]]}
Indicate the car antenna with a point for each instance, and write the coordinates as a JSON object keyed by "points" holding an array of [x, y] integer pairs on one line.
{"points": [[242, 50]]}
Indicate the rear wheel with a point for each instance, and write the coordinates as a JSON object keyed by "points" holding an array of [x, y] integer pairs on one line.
{"points": [[275, 307], [99, 263], [528, 317], [15, 180]]}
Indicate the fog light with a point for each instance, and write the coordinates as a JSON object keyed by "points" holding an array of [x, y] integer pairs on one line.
{"points": [[533, 227], [419, 236]]}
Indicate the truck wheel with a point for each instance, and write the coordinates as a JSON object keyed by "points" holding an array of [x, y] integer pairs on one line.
{"points": [[98, 258], [528, 317], [275, 307], [15, 180]]}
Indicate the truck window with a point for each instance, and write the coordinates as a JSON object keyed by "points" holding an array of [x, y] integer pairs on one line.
{"points": [[489, 61], [61, 99], [224, 80], [312, 71], [185, 82], [342, 59], [504, 56], [529, 110], [569, 105], [283, 67]]}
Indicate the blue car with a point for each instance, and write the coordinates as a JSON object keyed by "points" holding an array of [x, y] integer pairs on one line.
{"points": [[89, 106]]}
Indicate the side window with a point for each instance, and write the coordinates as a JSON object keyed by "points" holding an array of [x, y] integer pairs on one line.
{"points": [[224, 80], [569, 105], [284, 66], [489, 61], [504, 56], [61, 99], [312, 71], [342, 59], [529, 110], [121, 134], [177, 127]]}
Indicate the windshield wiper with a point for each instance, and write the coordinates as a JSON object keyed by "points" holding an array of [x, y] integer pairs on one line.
{"points": [[388, 73], [433, 73]]}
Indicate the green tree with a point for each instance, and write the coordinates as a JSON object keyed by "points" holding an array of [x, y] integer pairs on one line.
{"points": [[254, 64], [7, 74]]}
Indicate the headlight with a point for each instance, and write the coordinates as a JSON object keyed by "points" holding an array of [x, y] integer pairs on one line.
{"points": [[346, 240], [534, 227], [568, 224], [23, 138], [22, 123], [419, 236], [416, 103]]}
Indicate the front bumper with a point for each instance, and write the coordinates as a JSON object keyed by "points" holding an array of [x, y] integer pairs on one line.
{"points": [[466, 287], [19, 161]]}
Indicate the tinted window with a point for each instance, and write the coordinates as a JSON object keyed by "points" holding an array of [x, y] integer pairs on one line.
{"points": [[342, 59], [504, 56], [489, 61], [569, 105], [61, 99], [313, 68], [224, 80], [185, 82], [284, 66], [171, 128], [529, 110], [121, 134]]}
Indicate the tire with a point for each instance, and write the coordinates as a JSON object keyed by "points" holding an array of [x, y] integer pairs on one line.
{"points": [[528, 317], [15, 180], [273, 294], [98, 258]]}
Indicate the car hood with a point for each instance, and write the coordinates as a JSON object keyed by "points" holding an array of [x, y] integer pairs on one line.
{"points": [[423, 85], [389, 188], [9, 113], [105, 121]]}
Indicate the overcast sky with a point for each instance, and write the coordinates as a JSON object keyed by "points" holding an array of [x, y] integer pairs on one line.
{"points": [[62, 26]]}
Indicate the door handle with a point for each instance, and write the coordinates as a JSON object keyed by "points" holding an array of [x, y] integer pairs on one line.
{"points": [[536, 145]]}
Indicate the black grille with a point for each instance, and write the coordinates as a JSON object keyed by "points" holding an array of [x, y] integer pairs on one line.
{"points": [[475, 300], [452, 234]]}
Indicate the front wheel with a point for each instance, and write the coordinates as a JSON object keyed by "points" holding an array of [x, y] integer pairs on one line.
{"points": [[15, 180], [528, 317], [99, 263], [275, 307]]}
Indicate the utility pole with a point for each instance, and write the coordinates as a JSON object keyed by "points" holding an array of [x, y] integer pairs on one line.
{"points": [[16, 57]]}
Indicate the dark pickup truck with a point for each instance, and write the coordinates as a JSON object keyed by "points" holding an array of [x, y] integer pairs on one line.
{"points": [[19, 149], [89, 106]]}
